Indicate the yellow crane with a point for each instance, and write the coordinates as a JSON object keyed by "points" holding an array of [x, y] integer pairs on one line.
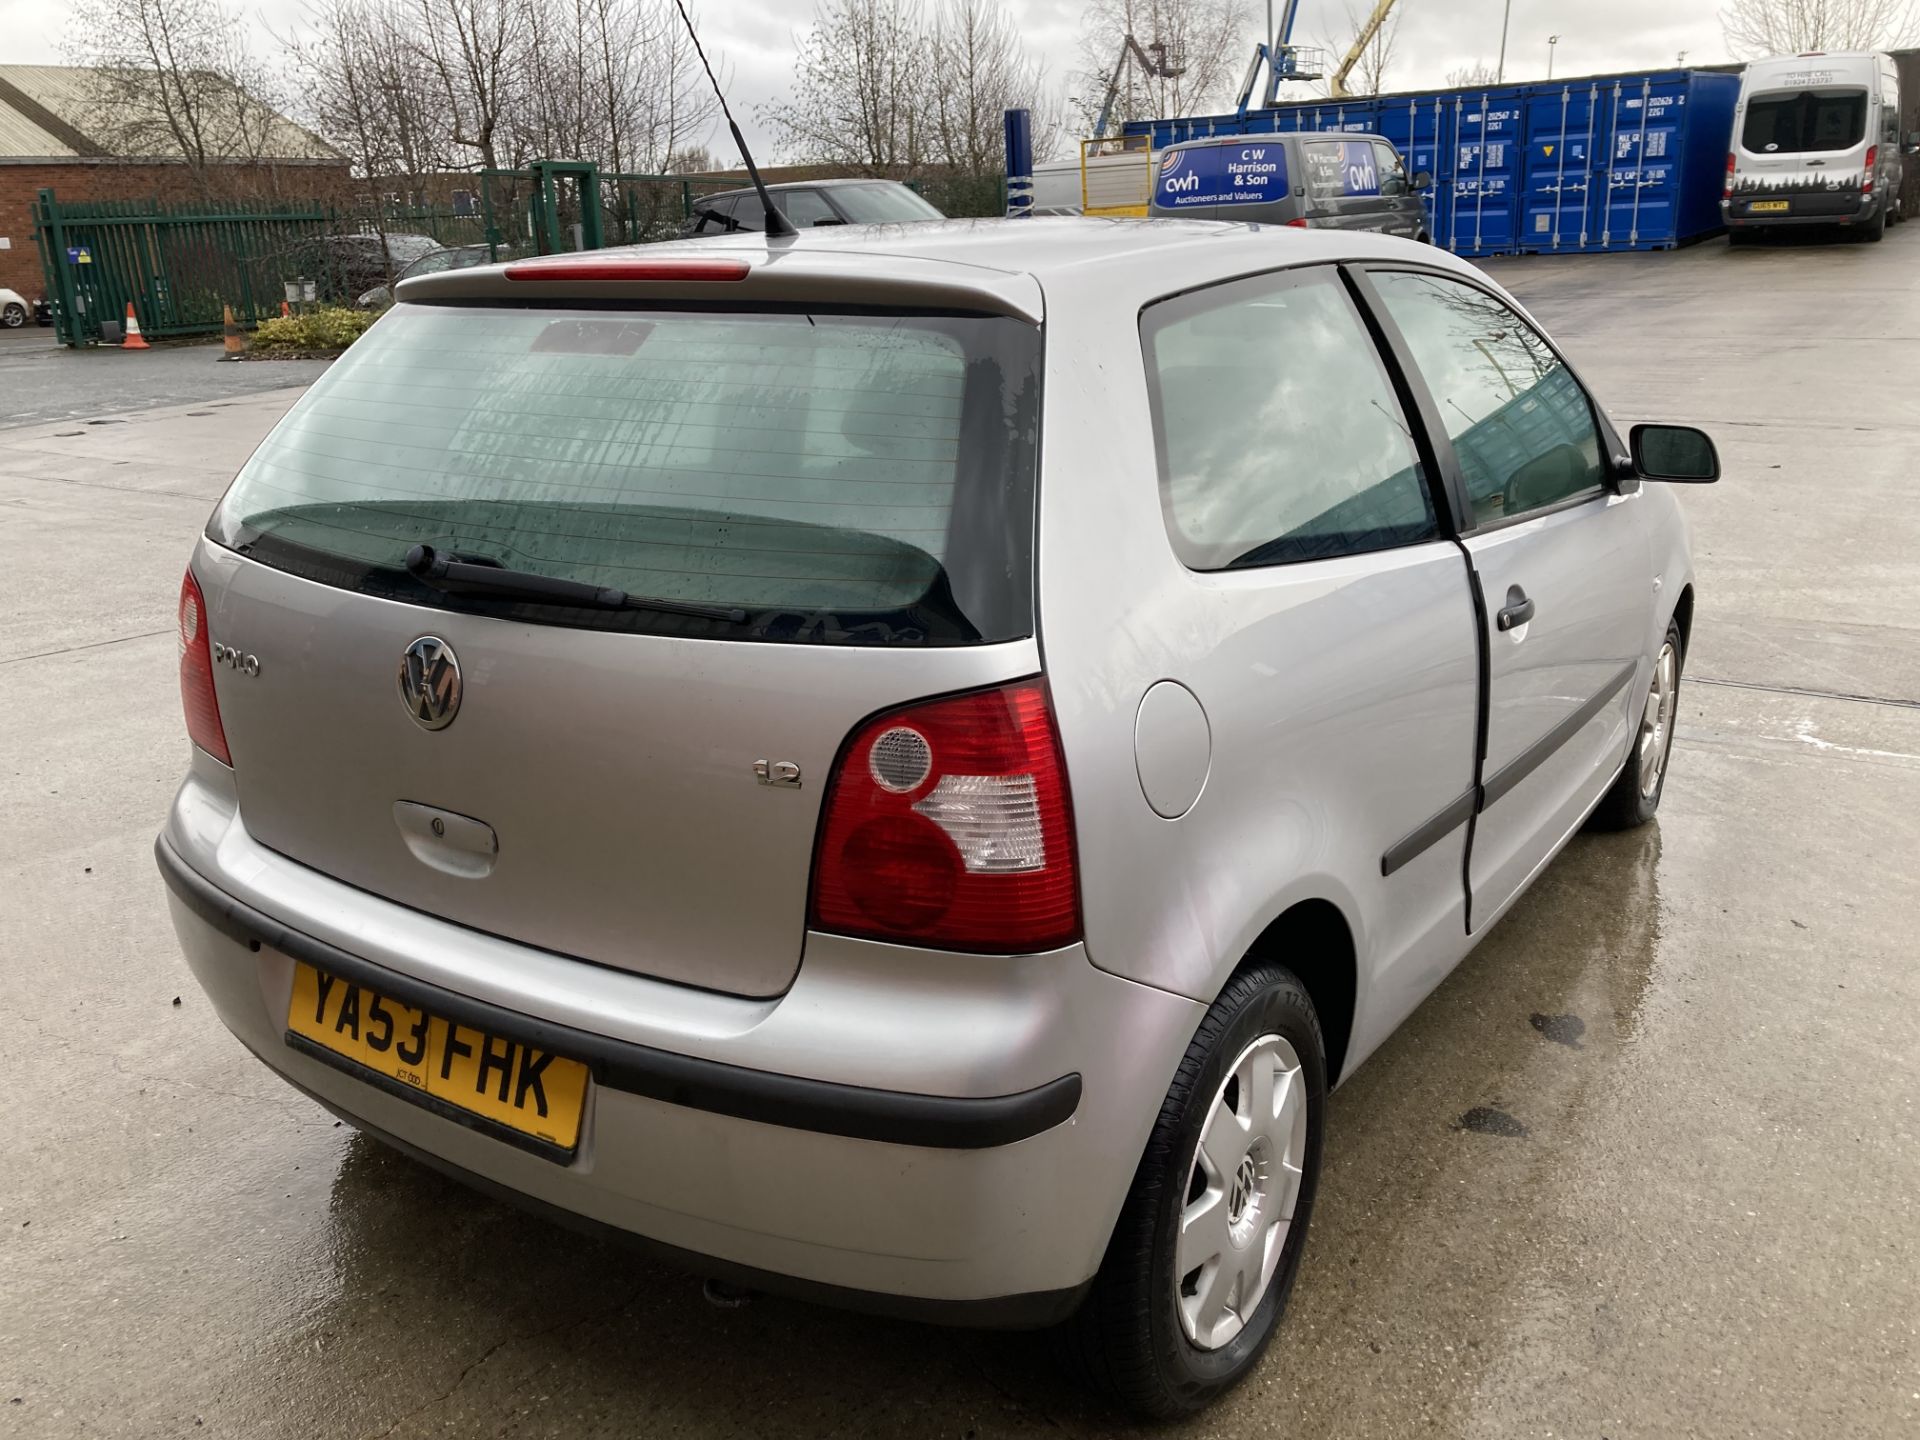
{"points": [[1337, 82]]}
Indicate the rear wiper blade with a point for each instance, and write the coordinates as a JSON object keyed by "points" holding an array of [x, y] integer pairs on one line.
{"points": [[482, 575]]}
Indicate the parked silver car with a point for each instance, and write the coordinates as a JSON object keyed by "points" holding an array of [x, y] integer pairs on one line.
{"points": [[901, 765]]}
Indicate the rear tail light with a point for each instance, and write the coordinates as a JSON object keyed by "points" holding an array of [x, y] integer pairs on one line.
{"points": [[948, 824], [1873, 159], [1300, 224], [196, 674], [1727, 194]]}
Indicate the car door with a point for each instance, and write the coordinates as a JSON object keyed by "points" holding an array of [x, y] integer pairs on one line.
{"points": [[1340, 666], [1560, 559]]}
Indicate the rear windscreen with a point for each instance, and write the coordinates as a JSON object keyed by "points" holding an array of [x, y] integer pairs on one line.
{"points": [[838, 478], [1792, 122]]}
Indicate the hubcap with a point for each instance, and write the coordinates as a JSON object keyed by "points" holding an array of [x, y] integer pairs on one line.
{"points": [[1656, 723], [1241, 1190]]}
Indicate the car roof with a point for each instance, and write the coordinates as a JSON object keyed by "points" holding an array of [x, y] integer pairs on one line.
{"points": [[1043, 246], [999, 264]]}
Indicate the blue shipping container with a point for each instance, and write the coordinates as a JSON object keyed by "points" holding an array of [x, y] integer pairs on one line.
{"points": [[1627, 163], [1617, 162]]}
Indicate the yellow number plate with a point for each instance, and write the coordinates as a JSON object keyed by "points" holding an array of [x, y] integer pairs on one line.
{"points": [[1769, 207], [530, 1092]]}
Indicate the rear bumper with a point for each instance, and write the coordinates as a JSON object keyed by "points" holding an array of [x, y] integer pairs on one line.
{"points": [[1819, 209], [934, 1135]]}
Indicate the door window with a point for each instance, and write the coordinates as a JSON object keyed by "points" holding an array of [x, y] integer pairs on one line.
{"points": [[1393, 174], [1522, 427], [1279, 436]]}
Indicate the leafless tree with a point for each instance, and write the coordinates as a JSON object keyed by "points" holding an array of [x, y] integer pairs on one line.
{"points": [[477, 50], [175, 78], [1369, 73], [862, 96], [1207, 41], [981, 70], [1755, 28], [1469, 77]]}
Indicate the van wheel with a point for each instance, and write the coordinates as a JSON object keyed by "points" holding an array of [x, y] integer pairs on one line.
{"points": [[1739, 238], [1877, 230], [1209, 1240], [1636, 794]]}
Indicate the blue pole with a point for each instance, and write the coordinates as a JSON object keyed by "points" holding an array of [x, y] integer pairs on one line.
{"points": [[1019, 146]]}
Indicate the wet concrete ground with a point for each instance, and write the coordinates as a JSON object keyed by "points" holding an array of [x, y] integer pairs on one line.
{"points": [[42, 380], [1645, 1165]]}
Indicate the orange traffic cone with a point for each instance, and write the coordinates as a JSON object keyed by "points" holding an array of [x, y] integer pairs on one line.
{"points": [[232, 340], [133, 340], [286, 310]]}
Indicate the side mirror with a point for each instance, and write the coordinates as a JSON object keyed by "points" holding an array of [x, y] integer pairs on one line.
{"points": [[1423, 181], [1679, 454]]}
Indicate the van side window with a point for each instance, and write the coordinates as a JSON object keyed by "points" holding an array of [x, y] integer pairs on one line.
{"points": [[1326, 169], [1278, 434], [1522, 427]]}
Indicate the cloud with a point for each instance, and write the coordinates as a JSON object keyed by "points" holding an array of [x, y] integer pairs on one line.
{"points": [[753, 39]]}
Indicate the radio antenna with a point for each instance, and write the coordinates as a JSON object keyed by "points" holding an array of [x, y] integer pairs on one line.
{"points": [[778, 225]]}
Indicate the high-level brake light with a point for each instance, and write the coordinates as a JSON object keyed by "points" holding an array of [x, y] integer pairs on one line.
{"points": [[613, 267]]}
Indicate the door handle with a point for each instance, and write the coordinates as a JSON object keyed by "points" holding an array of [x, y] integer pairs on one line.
{"points": [[1518, 611]]}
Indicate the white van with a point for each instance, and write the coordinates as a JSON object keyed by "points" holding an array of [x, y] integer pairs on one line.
{"points": [[1816, 141]]}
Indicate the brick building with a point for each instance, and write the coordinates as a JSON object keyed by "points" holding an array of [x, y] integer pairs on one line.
{"points": [[51, 137]]}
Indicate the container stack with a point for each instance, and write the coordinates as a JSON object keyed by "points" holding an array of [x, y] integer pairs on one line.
{"points": [[1608, 162]]}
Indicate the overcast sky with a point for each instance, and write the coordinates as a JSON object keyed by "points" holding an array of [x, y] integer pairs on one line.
{"points": [[1436, 36]]}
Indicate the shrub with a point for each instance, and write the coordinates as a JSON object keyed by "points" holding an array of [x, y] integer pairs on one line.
{"points": [[331, 327]]}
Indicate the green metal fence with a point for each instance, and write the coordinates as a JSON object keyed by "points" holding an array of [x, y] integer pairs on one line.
{"points": [[178, 265]]}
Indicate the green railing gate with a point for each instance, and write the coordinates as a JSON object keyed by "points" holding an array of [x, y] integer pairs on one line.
{"points": [[179, 265]]}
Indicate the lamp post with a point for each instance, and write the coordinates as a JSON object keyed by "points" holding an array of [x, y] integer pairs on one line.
{"points": [[1552, 40], [1500, 74]]}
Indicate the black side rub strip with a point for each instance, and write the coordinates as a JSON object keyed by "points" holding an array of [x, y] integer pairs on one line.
{"points": [[938, 1122], [1536, 754], [1480, 798], [1431, 833]]}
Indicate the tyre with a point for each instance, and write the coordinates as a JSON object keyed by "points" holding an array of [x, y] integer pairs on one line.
{"points": [[1209, 1241], [1875, 230], [1738, 238], [13, 317], [1636, 794]]}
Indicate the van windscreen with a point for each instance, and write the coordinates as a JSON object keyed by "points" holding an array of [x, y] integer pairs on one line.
{"points": [[1794, 122], [839, 478]]}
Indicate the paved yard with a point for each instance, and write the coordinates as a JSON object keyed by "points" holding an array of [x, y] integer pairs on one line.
{"points": [[41, 380], [1709, 1030]]}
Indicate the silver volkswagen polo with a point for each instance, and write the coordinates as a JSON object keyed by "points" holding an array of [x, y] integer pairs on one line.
{"points": [[900, 765]]}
